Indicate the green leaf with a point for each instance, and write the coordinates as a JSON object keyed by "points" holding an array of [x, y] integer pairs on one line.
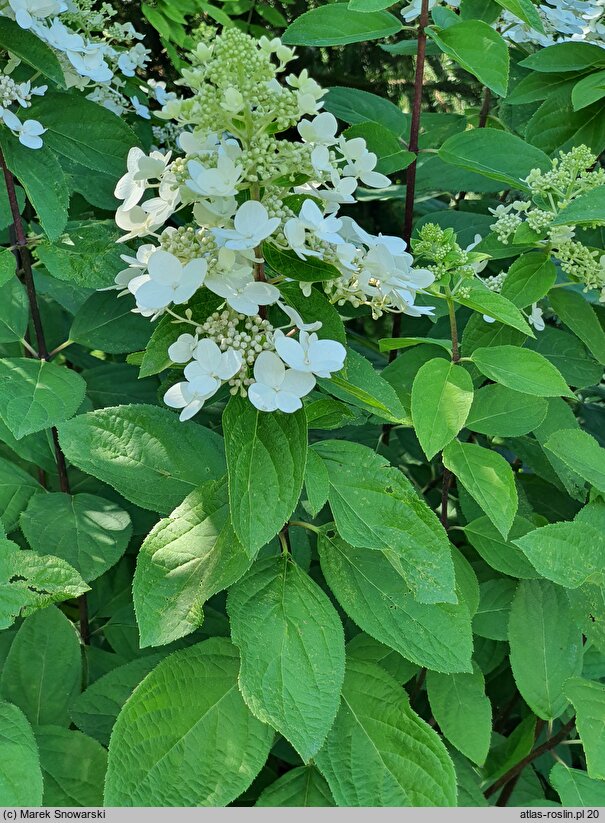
{"points": [[85, 132], [545, 646], [95, 710], [112, 384], [336, 25], [20, 777], [491, 619], [569, 554], [175, 746], [536, 86], [292, 651], [303, 786], [317, 482], [32, 50], [379, 139], [575, 788], [502, 555], [288, 263], [73, 766], [29, 582], [569, 356], [581, 452], [14, 310], [90, 533], [495, 154], [16, 490], [462, 710], [370, 587], [184, 560], [502, 412], [364, 647], [588, 699], [404, 761], [356, 106], [392, 343], [8, 266], [588, 90], [107, 323], [522, 370], [494, 305], [565, 57], [555, 126], [42, 672], [488, 478], [442, 394], [585, 210], [529, 278], [524, 10], [479, 49], [86, 255], [42, 178], [375, 507], [364, 388], [144, 453], [36, 394], [579, 316], [266, 456]]}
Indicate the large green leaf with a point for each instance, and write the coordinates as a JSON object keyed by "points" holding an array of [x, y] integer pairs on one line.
{"points": [[370, 587], [502, 412], [42, 672], [87, 255], [588, 90], [186, 737], [30, 48], [42, 178], [85, 132], [581, 452], [90, 533], [579, 316], [288, 264], [292, 651], [14, 310], [495, 154], [36, 394], [478, 297], [379, 752], [375, 507], [442, 394], [488, 478], [491, 619], [462, 710], [502, 555], [302, 786], [336, 25], [479, 49], [356, 106], [266, 456], [588, 699], [522, 370], [29, 582], [568, 355], [575, 788], [545, 646], [20, 776], [569, 554], [73, 766], [529, 278], [144, 453], [565, 57], [95, 710], [184, 560], [16, 490], [107, 323]]}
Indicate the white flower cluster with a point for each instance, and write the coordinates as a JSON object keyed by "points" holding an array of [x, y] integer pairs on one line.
{"points": [[238, 184], [17, 94], [563, 21], [96, 53]]}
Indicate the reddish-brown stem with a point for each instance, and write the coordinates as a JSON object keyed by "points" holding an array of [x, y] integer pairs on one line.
{"points": [[484, 113], [24, 263], [410, 175], [533, 755]]}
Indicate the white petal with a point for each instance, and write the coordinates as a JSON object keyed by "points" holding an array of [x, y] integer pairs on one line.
{"points": [[288, 403], [297, 382], [164, 267], [269, 369], [249, 217], [190, 410], [262, 397], [291, 352], [175, 398], [208, 355]]}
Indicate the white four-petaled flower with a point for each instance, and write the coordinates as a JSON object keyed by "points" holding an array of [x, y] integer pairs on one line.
{"points": [[277, 388], [168, 281], [310, 354]]}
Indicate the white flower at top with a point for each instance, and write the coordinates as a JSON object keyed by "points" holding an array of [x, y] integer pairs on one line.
{"points": [[310, 354], [167, 281], [242, 292], [277, 388], [322, 129], [140, 169], [251, 225], [28, 12]]}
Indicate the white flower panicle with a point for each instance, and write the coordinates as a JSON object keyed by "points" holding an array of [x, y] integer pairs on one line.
{"points": [[238, 184], [96, 54]]}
